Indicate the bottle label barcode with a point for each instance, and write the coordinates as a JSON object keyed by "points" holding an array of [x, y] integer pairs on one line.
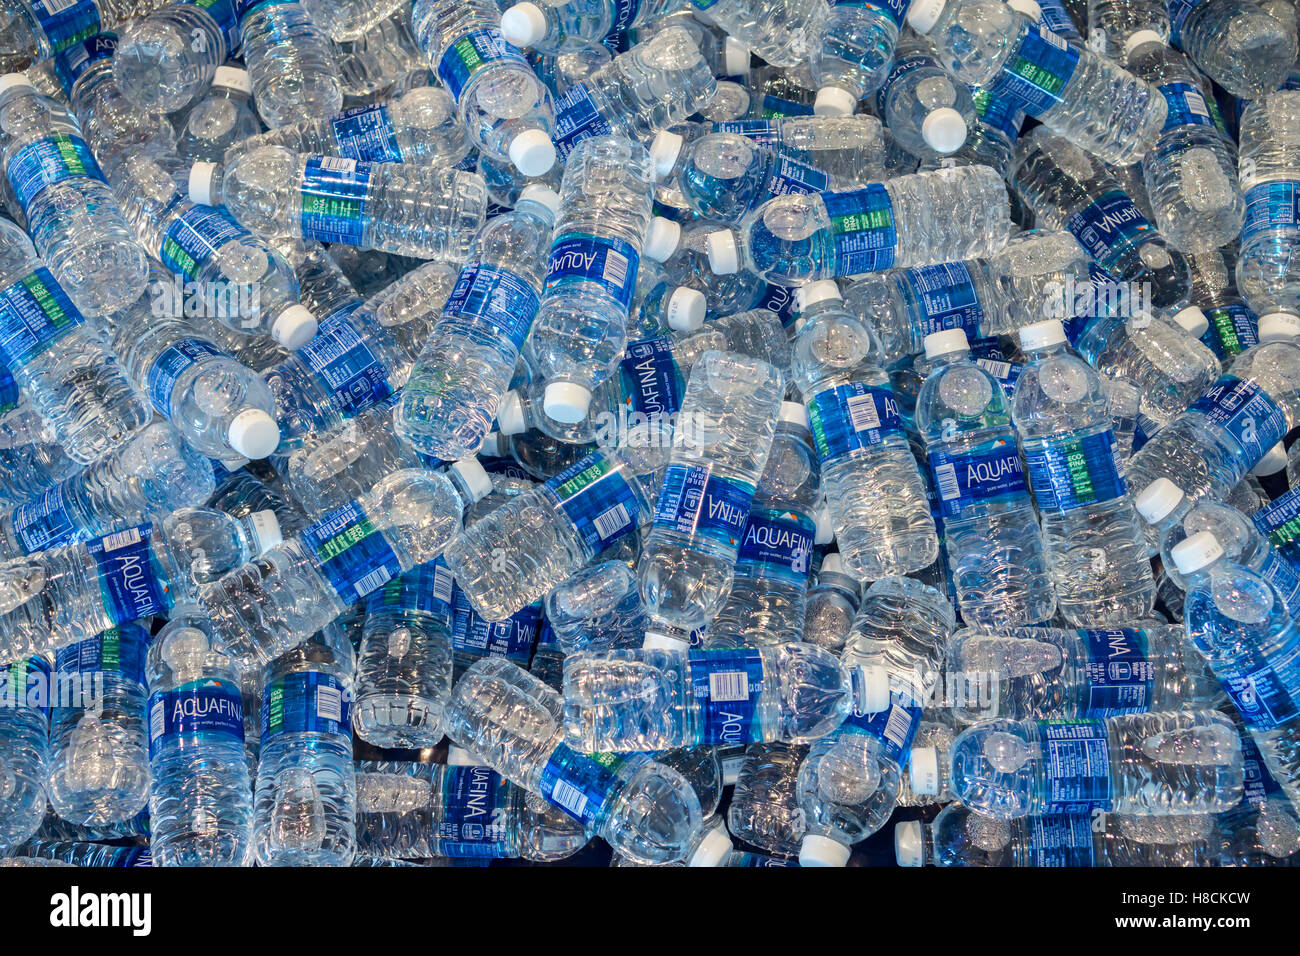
{"points": [[895, 726], [945, 477], [156, 721], [600, 260], [306, 702], [580, 784], [329, 703], [597, 499], [726, 687], [846, 419], [351, 552], [988, 472], [612, 521], [570, 798], [898, 727]]}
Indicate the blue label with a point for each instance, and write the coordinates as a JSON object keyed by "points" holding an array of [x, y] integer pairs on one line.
{"points": [[426, 589], [1266, 688], [1067, 473], [119, 651], [1258, 783], [333, 199], [577, 117], [895, 726], [987, 354], [366, 133], [789, 178], [1076, 765], [9, 393], [1061, 839], [625, 12], [999, 112], [35, 313], [43, 522], [48, 161], [707, 508], [581, 784], [308, 702], [1108, 226], [223, 14], [862, 226], [1277, 571], [26, 684], [66, 23], [779, 300], [1233, 329], [1271, 205], [78, 58], [131, 582], [193, 238], [946, 297], [342, 359], [779, 107], [1248, 415], [725, 688], [351, 552], [497, 297], [1056, 18], [777, 545], [1178, 13], [1121, 678], [846, 419], [475, 814], [597, 500], [990, 472], [473, 52], [652, 382], [611, 263], [171, 363], [201, 712], [1280, 523], [512, 639], [1187, 106], [1036, 70]]}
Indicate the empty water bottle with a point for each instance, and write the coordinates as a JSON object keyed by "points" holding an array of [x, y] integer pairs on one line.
{"points": [[344, 463], [168, 59], [1269, 169], [221, 119], [1247, 51], [598, 609], [851, 150], [832, 603], [782, 32], [25, 689], [289, 61], [765, 809], [851, 51], [927, 113]]}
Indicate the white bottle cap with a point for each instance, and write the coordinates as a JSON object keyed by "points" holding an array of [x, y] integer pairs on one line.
{"points": [[834, 101], [1028, 7], [1278, 327], [523, 24], [510, 414], [477, 481], [11, 80], [735, 57], [832, 564], [825, 532], [1193, 320], [875, 688], [664, 150], [266, 530], [460, 757], [1158, 500], [923, 771], [532, 152], [566, 402], [686, 309], [1274, 460], [944, 130], [809, 295], [201, 176], [794, 413], [1042, 334], [1140, 38], [233, 78], [909, 843], [713, 849], [253, 433], [295, 327], [542, 195], [724, 254], [659, 641], [924, 14], [1200, 550], [820, 851], [661, 238], [948, 340], [494, 445]]}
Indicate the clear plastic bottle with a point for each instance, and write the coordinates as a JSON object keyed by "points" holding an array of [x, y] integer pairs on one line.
{"points": [[1156, 764], [31, 458], [201, 799], [933, 217], [560, 26], [512, 721], [346, 461], [166, 60], [782, 32], [851, 51], [1268, 274], [832, 603], [37, 32], [1240, 46], [876, 498], [598, 609], [24, 748], [765, 809], [223, 118], [928, 114], [851, 150], [1112, 22], [290, 64], [402, 208], [1096, 551], [991, 535], [349, 19], [304, 802]]}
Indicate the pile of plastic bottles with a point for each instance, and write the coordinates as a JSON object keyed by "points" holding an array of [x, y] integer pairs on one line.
{"points": [[719, 432]]}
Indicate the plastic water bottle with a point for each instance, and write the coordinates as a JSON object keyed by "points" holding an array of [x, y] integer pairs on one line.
{"points": [[394, 207], [1112, 22], [1239, 622], [201, 799], [919, 220], [24, 748], [99, 764], [926, 782], [289, 61], [151, 475], [874, 493], [31, 459], [1239, 46], [1232, 326], [86, 854], [404, 663], [349, 19], [1068, 189], [1209, 449], [345, 462], [55, 184], [850, 52], [991, 536], [420, 126], [72, 593], [657, 83], [560, 27], [765, 809], [465, 366], [782, 32], [223, 118], [1037, 673], [504, 107], [598, 609], [1155, 764], [769, 586], [832, 603], [384, 61], [513, 721], [1096, 551], [304, 802], [927, 113], [167, 60], [851, 150], [35, 32], [220, 407], [1269, 170], [1078, 94], [421, 810], [260, 611]]}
